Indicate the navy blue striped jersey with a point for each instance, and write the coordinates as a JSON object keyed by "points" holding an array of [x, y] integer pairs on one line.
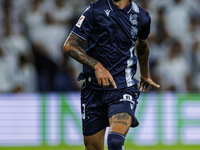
{"points": [[112, 33]]}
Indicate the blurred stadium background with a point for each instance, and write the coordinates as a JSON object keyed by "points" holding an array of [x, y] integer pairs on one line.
{"points": [[39, 94]]}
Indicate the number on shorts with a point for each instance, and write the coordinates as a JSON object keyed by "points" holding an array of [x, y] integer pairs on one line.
{"points": [[83, 111]]}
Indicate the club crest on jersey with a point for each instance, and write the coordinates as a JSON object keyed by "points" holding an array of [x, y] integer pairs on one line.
{"points": [[107, 12], [80, 21], [133, 19]]}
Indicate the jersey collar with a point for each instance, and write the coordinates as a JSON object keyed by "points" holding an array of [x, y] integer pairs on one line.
{"points": [[132, 7]]}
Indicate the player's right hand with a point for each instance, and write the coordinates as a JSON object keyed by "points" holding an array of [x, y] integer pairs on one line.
{"points": [[103, 76]]}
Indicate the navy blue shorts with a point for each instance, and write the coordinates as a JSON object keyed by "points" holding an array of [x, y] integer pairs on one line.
{"points": [[99, 105]]}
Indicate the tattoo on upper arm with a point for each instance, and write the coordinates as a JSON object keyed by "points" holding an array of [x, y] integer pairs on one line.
{"points": [[78, 53], [76, 39]]}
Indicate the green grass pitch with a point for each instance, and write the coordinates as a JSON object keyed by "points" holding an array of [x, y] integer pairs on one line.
{"points": [[127, 147]]}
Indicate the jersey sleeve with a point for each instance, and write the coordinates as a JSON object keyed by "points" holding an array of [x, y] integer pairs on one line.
{"points": [[85, 23], [144, 32]]}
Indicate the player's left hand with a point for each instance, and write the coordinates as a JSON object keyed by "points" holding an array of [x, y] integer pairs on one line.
{"points": [[145, 82]]}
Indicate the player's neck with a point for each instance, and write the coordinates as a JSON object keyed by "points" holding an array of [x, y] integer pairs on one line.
{"points": [[121, 4]]}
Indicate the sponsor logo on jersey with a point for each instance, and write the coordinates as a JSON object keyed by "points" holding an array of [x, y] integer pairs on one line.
{"points": [[80, 21]]}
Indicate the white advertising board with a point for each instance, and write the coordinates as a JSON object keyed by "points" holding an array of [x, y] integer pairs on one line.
{"points": [[54, 119]]}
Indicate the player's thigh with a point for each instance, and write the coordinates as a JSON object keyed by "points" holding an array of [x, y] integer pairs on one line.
{"points": [[96, 141], [120, 123]]}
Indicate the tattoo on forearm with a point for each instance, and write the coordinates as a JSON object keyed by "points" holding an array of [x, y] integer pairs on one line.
{"points": [[88, 61], [78, 53], [143, 57]]}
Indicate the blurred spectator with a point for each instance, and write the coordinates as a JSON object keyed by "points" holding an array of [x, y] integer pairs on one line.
{"points": [[45, 67], [178, 18], [34, 19], [6, 74], [196, 65], [197, 10], [57, 25], [32, 33], [159, 41], [193, 34], [65, 79], [174, 70], [27, 76]]}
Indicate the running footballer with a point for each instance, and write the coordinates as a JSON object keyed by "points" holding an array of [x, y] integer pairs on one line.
{"points": [[115, 30]]}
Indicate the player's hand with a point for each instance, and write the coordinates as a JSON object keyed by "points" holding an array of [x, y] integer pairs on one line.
{"points": [[103, 76], [145, 82]]}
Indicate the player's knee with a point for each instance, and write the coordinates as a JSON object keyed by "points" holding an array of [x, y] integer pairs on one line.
{"points": [[115, 141]]}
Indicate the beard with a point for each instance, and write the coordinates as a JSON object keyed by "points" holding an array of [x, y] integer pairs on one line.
{"points": [[116, 0]]}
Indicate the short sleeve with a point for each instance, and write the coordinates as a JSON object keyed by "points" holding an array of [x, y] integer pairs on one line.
{"points": [[145, 30], [85, 23]]}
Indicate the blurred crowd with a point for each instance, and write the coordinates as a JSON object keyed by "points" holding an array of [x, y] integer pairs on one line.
{"points": [[32, 33]]}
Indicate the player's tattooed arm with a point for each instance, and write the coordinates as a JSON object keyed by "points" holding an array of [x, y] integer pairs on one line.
{"points": [[73, 49], [142, 50]]}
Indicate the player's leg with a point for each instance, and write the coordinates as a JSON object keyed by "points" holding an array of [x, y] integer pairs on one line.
{"points": [[94, 118], [121, 112], [119, 126], [120, 123], [96, 141]]}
